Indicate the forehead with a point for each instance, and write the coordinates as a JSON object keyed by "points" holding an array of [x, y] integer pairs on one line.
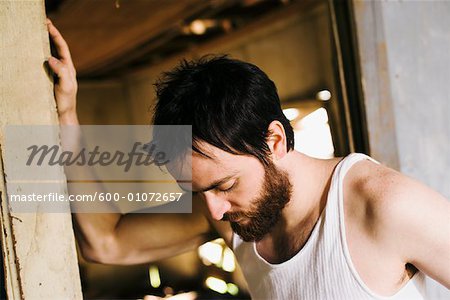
{"points": [[217, 159], [218, 165]]}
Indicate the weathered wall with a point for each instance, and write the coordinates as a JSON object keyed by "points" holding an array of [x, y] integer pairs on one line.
{"points": [[418, 42], [39, 249], [404, 48]]}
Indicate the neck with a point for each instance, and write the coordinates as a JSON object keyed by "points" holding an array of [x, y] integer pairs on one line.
{"points": [[310, 178]]}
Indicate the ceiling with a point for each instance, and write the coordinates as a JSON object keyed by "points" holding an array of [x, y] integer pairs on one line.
{"points": [[108, 37]]}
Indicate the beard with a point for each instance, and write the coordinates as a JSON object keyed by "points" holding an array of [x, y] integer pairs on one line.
{"points": [[265, 209]]}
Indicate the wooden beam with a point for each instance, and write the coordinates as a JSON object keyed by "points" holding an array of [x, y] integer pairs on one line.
{"points": [[106, 32], [38, 248], [259, 28]]}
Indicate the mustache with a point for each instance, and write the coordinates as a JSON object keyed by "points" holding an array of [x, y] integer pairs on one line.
{"points": [[234, 216]]}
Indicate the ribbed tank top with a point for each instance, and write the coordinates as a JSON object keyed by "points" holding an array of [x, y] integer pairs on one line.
{"points": [[322, 269]]}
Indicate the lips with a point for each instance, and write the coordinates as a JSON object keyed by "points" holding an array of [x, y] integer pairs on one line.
{"points": [[242, 221], [235, 217], [238, 220]]}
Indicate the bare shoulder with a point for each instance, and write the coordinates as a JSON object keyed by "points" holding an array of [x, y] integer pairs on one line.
{"points": [[366, 185], [370, 183], [389, 195], [402, 216]]}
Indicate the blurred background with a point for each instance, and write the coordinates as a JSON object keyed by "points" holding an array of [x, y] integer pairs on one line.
{"points": [[120, 47], [307, 47]]}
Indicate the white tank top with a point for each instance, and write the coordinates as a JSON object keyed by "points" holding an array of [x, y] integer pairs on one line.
{"points": [[322, 269]]}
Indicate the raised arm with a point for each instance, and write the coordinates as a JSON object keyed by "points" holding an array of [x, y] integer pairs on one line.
{"points": [[116, 238], [126, 239]]}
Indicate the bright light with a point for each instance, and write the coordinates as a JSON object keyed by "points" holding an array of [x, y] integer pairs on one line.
{"points": [[228, 260], [155, 280], [216, 284], [211, 252], [232, 289], [324, 95], [315, 118], [198, 27], [313, 135], [291, 113]]}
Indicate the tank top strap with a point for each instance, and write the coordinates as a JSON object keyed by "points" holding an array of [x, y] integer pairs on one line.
{"points": [[333, 212], [336, 192], [350, 160]]}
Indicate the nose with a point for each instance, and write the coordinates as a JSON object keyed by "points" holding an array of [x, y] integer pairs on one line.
{"points": [[217, 206]]}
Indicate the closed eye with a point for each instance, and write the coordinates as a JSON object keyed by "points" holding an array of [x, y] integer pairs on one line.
{"points": [[227, 190]]}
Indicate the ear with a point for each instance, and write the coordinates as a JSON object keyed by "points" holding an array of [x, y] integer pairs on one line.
{"points": [[276, 140]]}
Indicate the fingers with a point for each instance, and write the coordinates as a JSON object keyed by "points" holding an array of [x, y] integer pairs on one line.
{"points": [[182, 296], [60, 43], [67, 81], [58, 67]]}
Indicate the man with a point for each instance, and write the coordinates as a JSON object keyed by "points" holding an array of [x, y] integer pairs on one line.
{"points": [[301, 228]]}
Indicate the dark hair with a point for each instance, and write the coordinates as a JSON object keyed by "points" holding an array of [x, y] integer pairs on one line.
{"points": [[229, 103]]}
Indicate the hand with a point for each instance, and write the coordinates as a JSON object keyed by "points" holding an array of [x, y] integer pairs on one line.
{"points": [[182, 296], [66, 85]]}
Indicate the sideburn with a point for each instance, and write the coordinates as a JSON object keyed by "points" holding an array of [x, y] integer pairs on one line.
{"points": [[266, 208]]}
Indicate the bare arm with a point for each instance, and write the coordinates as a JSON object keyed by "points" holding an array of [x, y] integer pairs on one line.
{"points": [[411, 219], [117, 238], [138, 238]]}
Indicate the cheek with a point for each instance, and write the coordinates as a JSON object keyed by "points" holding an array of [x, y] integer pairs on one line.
{"points": [[254, 178], [249, 189]]}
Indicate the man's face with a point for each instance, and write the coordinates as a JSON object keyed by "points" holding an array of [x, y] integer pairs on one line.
{"points": [[242, 190], [266, 207]]}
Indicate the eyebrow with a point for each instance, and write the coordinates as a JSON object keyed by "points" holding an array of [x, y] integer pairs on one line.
{"points": [[214, 184]]}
